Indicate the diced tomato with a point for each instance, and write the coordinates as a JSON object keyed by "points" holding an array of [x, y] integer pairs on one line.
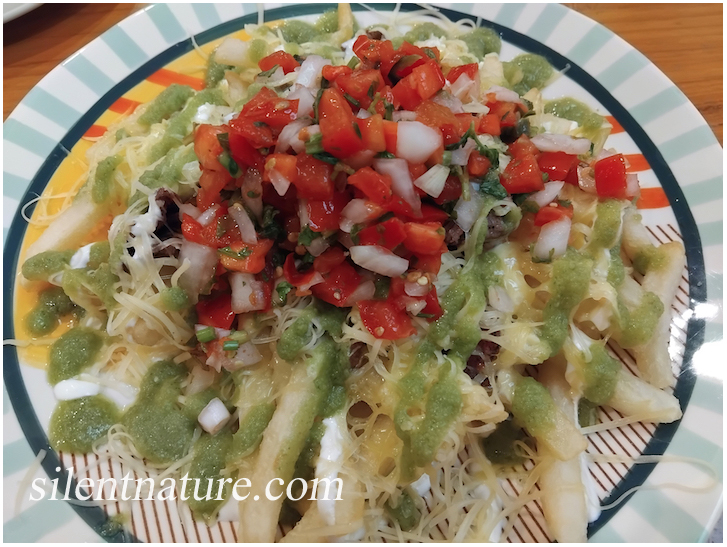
{"points": [[375, 186], [416, 170], [429, 263], [330, 258], [610, 174], [325, 215], [550, 214], [523, 146], [219, 232], [374, 53], [440, 117], [478, 165], [557, 164], [253, 263], [338, 125], [390, 133], [471, 71], [433, 307], [405, 65], [423, 237], [372, 132], [313, 179], [211, 184], [257, 133], [423, 82], [284, 164], [506, 113], [331, 73], [293, 276], [361, 85], [389, 234], [339, 284], [405, 94], [489, 124], [522, 176], [216, 311], [452, 190], [244, 153], [206, 146], [284, 60], [384, 320], [399, 207], [268, 109], [430, 213]]}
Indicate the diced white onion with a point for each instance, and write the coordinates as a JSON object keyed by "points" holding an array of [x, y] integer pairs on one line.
{"points": [[205, 218], [414, 305], [450, 101], [365, 291], [415, 289], [362, 158], [247, 293], [357, 211], [553, 142], [468, 210], [632, 185], [432, 182], [422, 485], [404, 116], [232, 51], [362, 114], [317, 278], [553, 239], [279, 182], [247, 354], [247, 228], [379, 260], [318, 246], [309, 73], [305, 101], [415, 142], [303, 215], [547, 194], [503, 94], [462, 155], [288, 137], [189, 209], [214, 416], [499, 299], [401, 182], [202, 266], [465, 88], [199, 379], [252, 192]]}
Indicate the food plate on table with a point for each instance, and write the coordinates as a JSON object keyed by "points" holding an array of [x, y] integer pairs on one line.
{"points": [[632, 468]]}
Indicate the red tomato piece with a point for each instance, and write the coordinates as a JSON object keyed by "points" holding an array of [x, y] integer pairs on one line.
{"points": [[522, 176], [610, 174], [211, 184], [390, 133], [389, 234], [557, 164], [385, 320], [375, 186], [216, 311], [430, 213], [330, 258], [440, 117], [207, 147], [471, 71], [284, 60], [424, 237], [406, 94], [452, 190], [313, 180], [269, 109], [284, 164], [374, 53], [339, 284], [254, 262], [428, 79], [208, 234], [325, 215], [551, 214], [523, 146], [489, 124], [257, 133], [372, 132], [331, 73], [293, 276], [244, 154], [338, 125], [478, 165], [429, 263], [506, 113], [433, 307], [361, 85]]}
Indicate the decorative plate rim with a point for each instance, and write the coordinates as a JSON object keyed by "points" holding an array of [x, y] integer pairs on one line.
{"points": [[175, 23]]}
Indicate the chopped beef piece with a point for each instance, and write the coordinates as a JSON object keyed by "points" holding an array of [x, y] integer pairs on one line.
{"points": [[359, 353], [497, 231], [374, 35], [453, 235], [169, 225], [484, 353]]}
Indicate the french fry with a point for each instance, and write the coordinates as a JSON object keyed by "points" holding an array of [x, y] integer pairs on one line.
{"points": [[635, 397]]}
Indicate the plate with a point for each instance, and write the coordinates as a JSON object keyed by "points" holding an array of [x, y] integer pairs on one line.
{"points": [[677, 496], [13, 11]]}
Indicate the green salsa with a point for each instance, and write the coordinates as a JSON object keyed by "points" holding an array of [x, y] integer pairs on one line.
{"points": [[208, 463], [161, 431], [600, 375], [175, 299], [649, 258], [405, 512], [166, 173], [638, 325], [526, 71], [327, 22], [169, 101], [53, 304], [424, 31], [300, 333], [43, 265], [533, 407], [607, 226], [104, 178], [247, 438], [568, 286], [499, 446], [72, 353], [76, 424], [215, 71], [299, 32], [78, 282], [481, 41]]}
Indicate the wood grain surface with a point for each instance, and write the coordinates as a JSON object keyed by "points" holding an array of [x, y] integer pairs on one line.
{"points": [[683, 40]]}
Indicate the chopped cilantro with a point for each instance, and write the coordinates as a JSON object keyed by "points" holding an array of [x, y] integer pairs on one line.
{"points": [[306, 236]]}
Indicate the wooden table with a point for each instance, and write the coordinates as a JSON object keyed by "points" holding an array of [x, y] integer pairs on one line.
{"points": [[683, 40]]}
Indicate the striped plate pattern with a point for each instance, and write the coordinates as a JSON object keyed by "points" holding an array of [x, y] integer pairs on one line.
{"points": [[99, 79]]}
